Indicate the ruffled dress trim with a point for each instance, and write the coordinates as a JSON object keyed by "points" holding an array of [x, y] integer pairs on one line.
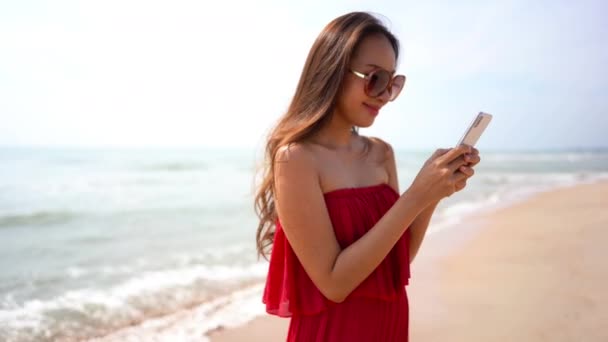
{"points": [[353, 212]]}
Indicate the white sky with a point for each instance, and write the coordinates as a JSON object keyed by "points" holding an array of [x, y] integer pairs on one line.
{"points": [[200, 73]]}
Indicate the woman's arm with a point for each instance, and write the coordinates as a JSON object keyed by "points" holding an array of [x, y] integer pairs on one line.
{"points": [[421, 223]]}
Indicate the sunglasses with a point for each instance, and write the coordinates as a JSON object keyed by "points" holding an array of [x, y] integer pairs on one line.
{"points": [[379, 81]]}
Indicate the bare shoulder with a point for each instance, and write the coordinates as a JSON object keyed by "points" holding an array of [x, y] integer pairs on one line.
{"points": [[386, 157], [295, 152], [295, 164], [381, 149]]}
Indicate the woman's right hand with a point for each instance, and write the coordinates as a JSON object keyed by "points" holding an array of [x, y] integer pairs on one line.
{"points": [[438, 176]]}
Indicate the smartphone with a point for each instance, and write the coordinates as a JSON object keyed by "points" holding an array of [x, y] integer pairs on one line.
{"points": [[475, 129]]}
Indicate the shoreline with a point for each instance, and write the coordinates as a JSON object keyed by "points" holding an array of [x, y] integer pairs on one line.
{"points": [[498, 249]]}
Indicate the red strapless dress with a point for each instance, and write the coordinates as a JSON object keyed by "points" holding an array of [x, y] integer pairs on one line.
{"points": [[377, 310]]}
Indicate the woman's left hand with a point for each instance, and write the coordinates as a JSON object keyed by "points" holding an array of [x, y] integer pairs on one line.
{"points": [[472, 159]]}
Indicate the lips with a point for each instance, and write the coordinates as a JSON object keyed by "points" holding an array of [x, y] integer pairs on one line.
{"points": [[373, 110]]}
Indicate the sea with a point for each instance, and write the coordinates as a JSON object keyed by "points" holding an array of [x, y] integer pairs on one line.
{"points": [[158, 244]]}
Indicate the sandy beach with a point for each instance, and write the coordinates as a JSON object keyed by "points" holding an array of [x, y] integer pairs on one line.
{"points": [[532, 271]]}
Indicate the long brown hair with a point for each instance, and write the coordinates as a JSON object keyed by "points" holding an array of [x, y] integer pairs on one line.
{"points": [[313, 103]]}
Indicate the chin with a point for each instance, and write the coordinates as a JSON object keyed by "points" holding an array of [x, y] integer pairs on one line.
{"points": [[365, 124], [362, 119], [366, 121]]}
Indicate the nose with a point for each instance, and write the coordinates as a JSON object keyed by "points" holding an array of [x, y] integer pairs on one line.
{"points": [[384, 96]]}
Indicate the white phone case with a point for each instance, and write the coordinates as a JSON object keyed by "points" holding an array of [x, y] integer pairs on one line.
{"points": [[475, 129]]}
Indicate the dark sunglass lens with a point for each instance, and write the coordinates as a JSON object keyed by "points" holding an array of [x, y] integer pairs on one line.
{"points": [[377, 82]]}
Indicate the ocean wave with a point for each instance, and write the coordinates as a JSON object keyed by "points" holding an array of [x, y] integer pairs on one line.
{"points": [[517, 179], [90, 312], [217, 212], [209, 264], [197, 323], [544, 157], [38, 218], [76, 272]]}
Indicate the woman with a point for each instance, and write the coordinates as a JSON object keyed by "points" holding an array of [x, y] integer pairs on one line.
{"points": [[342, 234]]}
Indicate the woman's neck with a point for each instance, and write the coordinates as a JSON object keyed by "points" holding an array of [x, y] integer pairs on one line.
{"points": [[337, 134]]}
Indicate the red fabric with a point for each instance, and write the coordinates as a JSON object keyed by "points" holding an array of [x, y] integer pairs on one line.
{"points": [[376, 310]]}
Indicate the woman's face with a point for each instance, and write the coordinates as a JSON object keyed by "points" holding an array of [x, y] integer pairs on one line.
{"points": [[354, 105]]}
